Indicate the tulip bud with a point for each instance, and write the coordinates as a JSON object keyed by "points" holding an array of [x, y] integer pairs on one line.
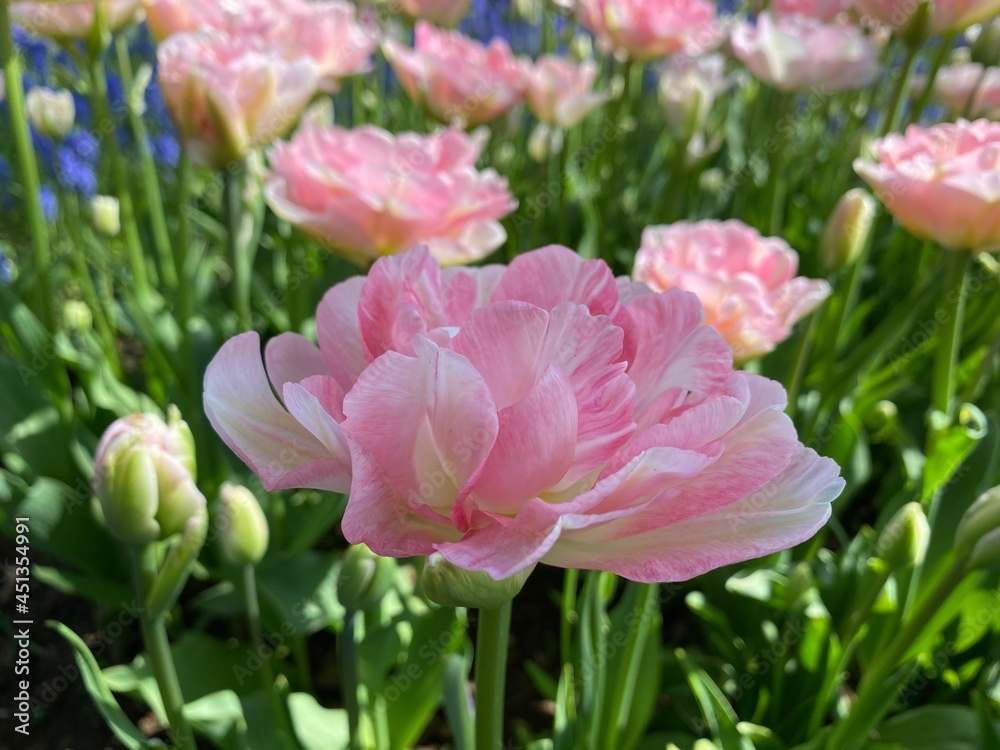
{"points": [[105, 215], [986, 48], [917, 28], [903, 542], [847, 230], [980, 520], [51, 112], [144, 477], [243, 532], [77, 316], [364, 578], [986, 553], [538, 142], [452, 586]]}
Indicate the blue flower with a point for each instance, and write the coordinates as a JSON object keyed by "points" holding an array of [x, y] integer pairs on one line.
{"points": [[166, 150], [35, 52], [156, 105], [50, 204], [82, 104], [4, 268], [45, 149], [75, 163], [490, 19]]}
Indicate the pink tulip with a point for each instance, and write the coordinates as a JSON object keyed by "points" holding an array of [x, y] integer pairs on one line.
{"points": [[644, 30], [968, 86], [793, 53], [689, 87], [229, 94], [943, 15], [325, 32], [941, 183], [439, 12], [560, 92], [456, 78], [745, 282], [71, 20], [821, 10], [539, 412], [368, 193]]}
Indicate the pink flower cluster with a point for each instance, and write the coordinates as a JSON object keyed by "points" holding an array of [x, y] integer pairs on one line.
{"points": [[941, 183], [502, 416], [745, 282], [368, 193], [643, 30], [72, 20], [237, 75]]}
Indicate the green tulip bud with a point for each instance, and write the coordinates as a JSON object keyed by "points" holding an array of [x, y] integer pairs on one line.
{"points": [[51, 112], [985, 48], [106, 215], [982, 518], [243, 532], [144, 477], [364, 578], [986, 553], [848, 229], [903, 541], [452, 586]]}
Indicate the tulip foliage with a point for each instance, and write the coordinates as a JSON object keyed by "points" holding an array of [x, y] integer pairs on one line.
{"points": [[609, 374]]}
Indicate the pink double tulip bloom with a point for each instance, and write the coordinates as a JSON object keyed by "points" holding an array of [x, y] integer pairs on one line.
{"points": [[745, 282], [943, 15], [229, 94], [941, 183], [503, 416], [438, 12], [328, 33], [560, 92], [793, 53], [71, 20], [457, 79], [969, 89], [643, 30], [368, 193]]}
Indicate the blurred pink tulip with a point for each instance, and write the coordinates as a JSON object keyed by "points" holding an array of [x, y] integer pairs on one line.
{"points": [[229, 94], [456, 78], [326, 32], [438, 12], [968, 86], [560, 92], [943, 15], [793, 53], [821, 10], [644, 30], [745, 282], [689, 87], [368, 193], [71, 20], [941, 183], [538, 412]]}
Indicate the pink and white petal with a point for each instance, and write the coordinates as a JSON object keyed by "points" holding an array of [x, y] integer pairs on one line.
{"points": [[380, 516], [339, 333], [241, 406], [503, 342], [786, 512], [291, 358], [534, 446], [555, 274], [427, 421], [307, 408]]}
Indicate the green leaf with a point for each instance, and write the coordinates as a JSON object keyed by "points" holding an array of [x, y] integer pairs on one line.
{"points": [[98, 689], [91, 586], [715, 708], [302, 591], [316, 727], [934, 728], [219, 716]]}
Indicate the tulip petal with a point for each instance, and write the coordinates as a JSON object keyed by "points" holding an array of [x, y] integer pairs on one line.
{"points": [[555, 274], [291, 358], [243, 409], [339, 334]]}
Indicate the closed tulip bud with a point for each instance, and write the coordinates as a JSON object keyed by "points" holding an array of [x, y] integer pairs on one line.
{"points": [[452, 586], [903, 542], [144, 477], [986, 553], [51, 112], [986, 48], [77, 316], [538, 142], [981, 519], [243, 532], [105, 214], [364, 578], [847, 230]]}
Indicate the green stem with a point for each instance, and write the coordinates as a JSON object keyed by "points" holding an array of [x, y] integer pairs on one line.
{"points": [[569, 615], [252, 602], [491, 675], [943, 50], [852, 732], [150, 180], [347, 654], [240, 256], [109, 141], [801, 365], [951, 314], [154, 636], [29, 170], [892, 116], [182, 238]]}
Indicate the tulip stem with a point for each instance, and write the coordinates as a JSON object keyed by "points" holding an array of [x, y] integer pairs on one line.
{"points": [[109, 140], [347, 656], [492, 637], [29, 169], [891, 121], [242, 257], [943, 50], [951, 313], [257, 638], [853, 731], [154, 636]]}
